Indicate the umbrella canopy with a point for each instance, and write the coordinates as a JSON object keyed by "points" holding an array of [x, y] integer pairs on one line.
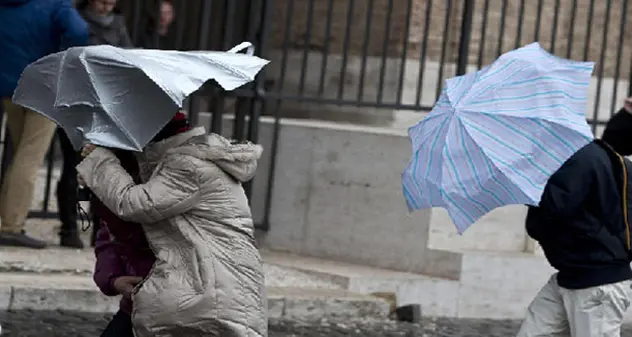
{"points": [[121, 98], [496, 136]]}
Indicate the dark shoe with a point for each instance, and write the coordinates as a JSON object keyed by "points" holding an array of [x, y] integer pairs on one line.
{"points": [[21, 239], [70, 240]]}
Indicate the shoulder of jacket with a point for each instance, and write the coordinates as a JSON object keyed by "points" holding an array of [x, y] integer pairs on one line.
{"points": [[180, 161]]}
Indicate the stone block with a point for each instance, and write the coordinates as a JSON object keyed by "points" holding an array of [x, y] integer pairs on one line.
{"points": [[5, 297], [276, 307], [85, 300], [304, 308]]}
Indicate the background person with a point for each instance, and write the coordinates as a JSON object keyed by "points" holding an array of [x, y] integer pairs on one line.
{"points": [[156, 35], [107, 26], [29, 30]]}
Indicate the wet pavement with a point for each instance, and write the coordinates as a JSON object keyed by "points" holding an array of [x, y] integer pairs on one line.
{"points": [[69, 324], [72, 324]]}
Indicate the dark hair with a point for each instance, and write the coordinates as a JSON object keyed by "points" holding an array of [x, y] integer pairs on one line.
{"points": [[171, 129], [618, 132]]}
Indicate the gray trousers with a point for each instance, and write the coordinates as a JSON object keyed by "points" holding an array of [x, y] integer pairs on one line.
{"points": [[591, 312]]}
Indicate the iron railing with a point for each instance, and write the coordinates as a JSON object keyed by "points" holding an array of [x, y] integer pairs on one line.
{"points": [[386, 55]]}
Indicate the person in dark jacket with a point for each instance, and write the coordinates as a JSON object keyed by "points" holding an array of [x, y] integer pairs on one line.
{"points": [[581, 227], [107, 26], [106, 22], [29, 30]]}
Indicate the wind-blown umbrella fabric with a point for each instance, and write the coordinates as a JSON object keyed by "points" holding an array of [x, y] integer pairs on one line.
{"points": [[121, 98], [496, 136]]}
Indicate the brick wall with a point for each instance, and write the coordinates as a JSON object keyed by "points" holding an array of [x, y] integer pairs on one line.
{"points": [[445, 38]]}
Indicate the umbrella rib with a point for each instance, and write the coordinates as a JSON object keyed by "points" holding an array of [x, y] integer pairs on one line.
{"points": [[113, 118], [497, 158], [488, 164]]}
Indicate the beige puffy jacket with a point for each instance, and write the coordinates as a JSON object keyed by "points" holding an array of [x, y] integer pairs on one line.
{"points": [[208, 278]]}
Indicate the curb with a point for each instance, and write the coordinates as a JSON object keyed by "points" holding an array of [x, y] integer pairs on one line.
{"points": [[288, 303]]}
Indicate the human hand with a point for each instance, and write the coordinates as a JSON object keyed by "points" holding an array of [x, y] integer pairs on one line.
{"points": [[627, 104], [125, 284], [80, 180], [87, 149]]}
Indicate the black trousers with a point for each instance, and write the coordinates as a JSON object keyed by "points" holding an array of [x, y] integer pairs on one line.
{"points": [[67, 185], [67, 189], [119, 326]]}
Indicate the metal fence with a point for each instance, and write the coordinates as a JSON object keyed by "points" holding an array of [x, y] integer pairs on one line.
{"points": [[381, 55]]}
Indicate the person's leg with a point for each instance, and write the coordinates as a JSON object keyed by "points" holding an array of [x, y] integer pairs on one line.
{"points": [[31, 135], [546, 316], [67, 194], [597, 311], [96, 223], [119, 326]]}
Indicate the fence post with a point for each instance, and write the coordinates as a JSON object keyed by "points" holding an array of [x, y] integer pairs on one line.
{"points": [[466, 35]]}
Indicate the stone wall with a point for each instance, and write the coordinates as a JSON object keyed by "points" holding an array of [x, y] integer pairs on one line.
{"points": [[451, 12]]}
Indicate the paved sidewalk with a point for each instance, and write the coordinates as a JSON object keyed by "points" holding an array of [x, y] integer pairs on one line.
{"points": [[66, 324], [73, 324]]}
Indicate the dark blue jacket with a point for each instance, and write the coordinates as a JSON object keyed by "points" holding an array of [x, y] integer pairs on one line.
{"points": [[579, 222], [32, 29]]}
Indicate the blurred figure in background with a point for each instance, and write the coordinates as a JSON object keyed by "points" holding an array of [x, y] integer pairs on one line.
{"points": [[30, 30], [156, 35], [107, 26], [106, 22]]}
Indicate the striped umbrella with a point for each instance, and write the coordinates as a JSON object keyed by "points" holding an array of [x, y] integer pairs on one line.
{"points": [[495, 136]]}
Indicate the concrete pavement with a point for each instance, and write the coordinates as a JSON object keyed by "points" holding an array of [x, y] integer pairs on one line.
{"points": [[74, 324]]}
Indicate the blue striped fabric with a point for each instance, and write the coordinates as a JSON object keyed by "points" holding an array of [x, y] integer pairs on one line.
{"points": [[495, 136]]}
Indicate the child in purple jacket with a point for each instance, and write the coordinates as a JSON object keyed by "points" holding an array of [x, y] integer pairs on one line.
{"points": [[123, 256]]}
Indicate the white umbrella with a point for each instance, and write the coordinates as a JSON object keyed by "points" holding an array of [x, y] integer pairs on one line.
{"points": [[121, 98]]}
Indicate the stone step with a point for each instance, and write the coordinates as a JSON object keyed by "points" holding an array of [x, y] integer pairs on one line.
{"points": [[437, 296], [49, 292], [492, 285], [80, 262]]}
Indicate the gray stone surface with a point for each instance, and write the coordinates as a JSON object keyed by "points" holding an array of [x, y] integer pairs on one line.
{"points": [[5, 297], [27, 298], [74, 324], [50, 292]]}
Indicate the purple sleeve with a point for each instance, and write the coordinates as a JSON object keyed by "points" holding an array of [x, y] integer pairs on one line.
{"points": [[109, 265]]}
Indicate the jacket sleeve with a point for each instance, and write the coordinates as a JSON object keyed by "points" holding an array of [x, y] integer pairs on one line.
{"points": [[568, 188], [108, 265], [172, 189], [71, 26]]}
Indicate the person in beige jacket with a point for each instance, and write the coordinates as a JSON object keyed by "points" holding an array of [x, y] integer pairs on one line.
{"points": [[208, 277]]}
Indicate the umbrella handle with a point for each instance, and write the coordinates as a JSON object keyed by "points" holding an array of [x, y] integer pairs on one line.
{"points": [[244, 45]]}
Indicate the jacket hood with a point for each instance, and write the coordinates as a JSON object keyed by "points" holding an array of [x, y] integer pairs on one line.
{"points": [[239, 160]]}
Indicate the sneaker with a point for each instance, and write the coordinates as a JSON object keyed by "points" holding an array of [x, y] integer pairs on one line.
{"points": [[21, 239]]}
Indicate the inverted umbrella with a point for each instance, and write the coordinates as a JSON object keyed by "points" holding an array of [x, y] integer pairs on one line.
{"points": [[121, 98], [496, 136]]}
